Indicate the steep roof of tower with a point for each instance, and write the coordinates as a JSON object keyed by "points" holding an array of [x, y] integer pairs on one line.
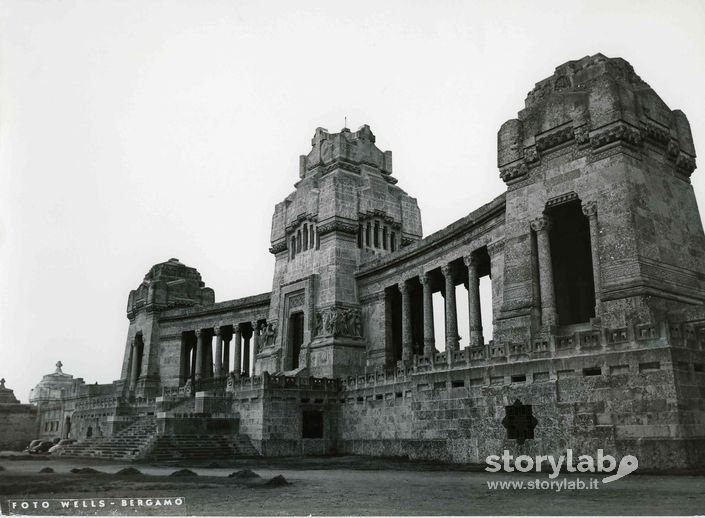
{"points": [[172, 270], [346, 148]]}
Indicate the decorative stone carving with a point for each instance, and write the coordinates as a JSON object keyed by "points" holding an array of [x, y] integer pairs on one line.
{"points": [[590, 208], [278, 247], [563, 198], [540, 224], [686, 163], [296, 301], [582, 135], [339, 322], [514, 171], [270, 333], [531, 155], [337, 226], [554, 138], [620, 131]]}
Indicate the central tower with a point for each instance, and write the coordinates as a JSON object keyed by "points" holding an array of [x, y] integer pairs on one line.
{"points": [[346, 209]]}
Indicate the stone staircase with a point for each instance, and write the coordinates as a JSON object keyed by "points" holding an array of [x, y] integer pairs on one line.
{"points": [[200, 447], [127, 444]]}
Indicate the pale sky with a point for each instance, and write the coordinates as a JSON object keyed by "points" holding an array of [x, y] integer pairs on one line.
{"points": [[133, 131]]}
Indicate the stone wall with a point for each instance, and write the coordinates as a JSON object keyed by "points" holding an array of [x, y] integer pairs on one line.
{"points": [[18, 426], [629, 405]]}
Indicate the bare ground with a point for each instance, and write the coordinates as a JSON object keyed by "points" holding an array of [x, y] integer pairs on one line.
{"points": [[337, 486]]}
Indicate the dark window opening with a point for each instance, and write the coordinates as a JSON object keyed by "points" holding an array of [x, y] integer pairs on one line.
{"points": [[376, 242], [592, 371], [89, 432], [305, 237], [312, 245], [312, 425], [298, 241], [571, 256], [378, 396], [296, 337], [318, 239], [457, 383], [393, 242], [519, 378], [384, 238], [368, 236], [292, 252], [393, 326], [698, 367], [359, 236], [519, 421]]}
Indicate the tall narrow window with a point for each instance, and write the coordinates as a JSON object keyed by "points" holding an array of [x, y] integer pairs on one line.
{"points": [[298, 241], [384, 237], [305, 237], [292, 252], [393, 242], [571, 258], [359, 236], [376, 234], [368, 236], [313, 237], [318, 239]]}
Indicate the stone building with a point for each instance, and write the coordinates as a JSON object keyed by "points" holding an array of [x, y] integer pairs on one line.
{"points": [[595, 255], [17, 421]]}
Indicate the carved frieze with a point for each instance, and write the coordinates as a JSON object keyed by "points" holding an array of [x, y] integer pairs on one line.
{"points": [[554, 138], [337, 226], [620, 131], [278, 247], [339, 321]]}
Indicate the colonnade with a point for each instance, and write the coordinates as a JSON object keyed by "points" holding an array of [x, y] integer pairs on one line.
{"points": [[452, 338], [203, 359]]}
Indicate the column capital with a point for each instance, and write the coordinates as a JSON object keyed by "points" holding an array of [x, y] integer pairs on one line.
{"points": [[199, 333], [403, 288], [446, 270], [255, 325], [471, 260], [425, 278], [540, 224], [590, 208], [218, 330], [237, 328]]}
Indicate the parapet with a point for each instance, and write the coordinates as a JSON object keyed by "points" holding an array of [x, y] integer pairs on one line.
{"points": [[592, 102], [347, 150]]}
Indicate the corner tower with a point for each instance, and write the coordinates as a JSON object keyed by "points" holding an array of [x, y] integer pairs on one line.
{"points": [[602, 226], [167, 285], [346, 209]]}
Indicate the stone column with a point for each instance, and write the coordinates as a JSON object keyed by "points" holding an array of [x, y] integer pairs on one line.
{"points": [[590, 210], [208, 355], [429, 334], [406, 351], [218, 352], [549, 316], [452, 338], [226, 354], [200, 356], [246, 354], [475, 315], [237, 349], [135, 362]]}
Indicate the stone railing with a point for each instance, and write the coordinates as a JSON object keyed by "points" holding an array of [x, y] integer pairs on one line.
{"points": [[584, 341]]}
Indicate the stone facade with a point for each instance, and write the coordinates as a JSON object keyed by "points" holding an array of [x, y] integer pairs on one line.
{"points": [[18, 422], [595, 258]]}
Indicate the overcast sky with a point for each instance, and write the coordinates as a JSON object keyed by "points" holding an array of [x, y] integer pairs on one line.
{"points": [[135, 131]]}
